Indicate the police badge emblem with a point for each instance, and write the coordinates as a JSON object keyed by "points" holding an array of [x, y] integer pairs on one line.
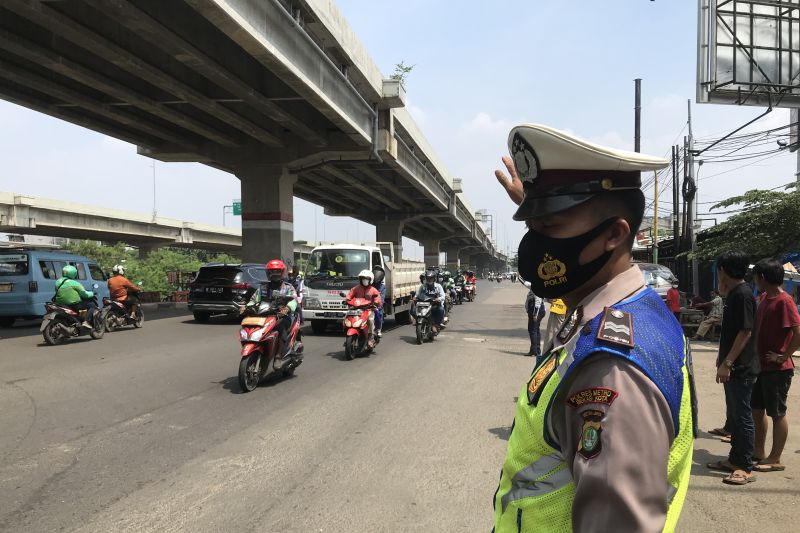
{"points": [[590, 444]]}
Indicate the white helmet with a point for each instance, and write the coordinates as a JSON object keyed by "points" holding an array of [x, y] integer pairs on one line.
{"points": [[366, 274], [118, 269]]}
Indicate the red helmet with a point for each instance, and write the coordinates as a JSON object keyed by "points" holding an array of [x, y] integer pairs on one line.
{"points": [[276, 264]]}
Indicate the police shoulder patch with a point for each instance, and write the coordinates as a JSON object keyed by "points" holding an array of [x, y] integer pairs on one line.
{"points": [[616, 327], [540, 377], [590, 444], [598, 395]]}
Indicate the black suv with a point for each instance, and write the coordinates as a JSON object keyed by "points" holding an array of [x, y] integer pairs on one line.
{"points": [[222, 288]]}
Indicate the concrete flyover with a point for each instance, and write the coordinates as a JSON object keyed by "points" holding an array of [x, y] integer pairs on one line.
{"points": [[281, 94]]}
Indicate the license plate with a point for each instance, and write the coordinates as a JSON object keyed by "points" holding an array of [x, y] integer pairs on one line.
{"points": [[214, 290], [5, 287]]}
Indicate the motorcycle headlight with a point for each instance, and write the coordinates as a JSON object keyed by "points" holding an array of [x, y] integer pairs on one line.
{"points": [[243, 335]]}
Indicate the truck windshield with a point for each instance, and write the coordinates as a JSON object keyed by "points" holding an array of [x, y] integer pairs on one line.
{"points": [[13, 264], [337, 263]]}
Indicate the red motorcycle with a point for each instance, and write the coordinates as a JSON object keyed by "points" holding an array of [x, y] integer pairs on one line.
{"points": [[356, 326], [260, 344]]}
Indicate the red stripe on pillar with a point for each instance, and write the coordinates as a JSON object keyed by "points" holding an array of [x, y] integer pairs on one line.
{"points": [[272, 215]]}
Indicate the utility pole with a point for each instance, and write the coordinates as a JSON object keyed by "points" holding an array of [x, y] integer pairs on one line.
{"points": [[692, 205], [655, 217], [676, 230], [637, 112], [794, 138]]}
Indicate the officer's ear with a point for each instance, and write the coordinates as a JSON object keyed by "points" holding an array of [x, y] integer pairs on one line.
{"points": [[619, 235]]}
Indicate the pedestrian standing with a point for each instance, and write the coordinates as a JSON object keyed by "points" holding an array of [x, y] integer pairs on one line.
{"points": [[777, 338], [674, 300], [558, 314], [534, 306], [737, 364], [603, 430]]}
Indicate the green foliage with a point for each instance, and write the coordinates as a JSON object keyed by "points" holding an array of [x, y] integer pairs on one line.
{"points": [[768, 225], [401, 72], [151, 271]]}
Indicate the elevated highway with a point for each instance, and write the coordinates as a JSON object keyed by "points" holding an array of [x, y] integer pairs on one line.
{"points": [[282, 95]]}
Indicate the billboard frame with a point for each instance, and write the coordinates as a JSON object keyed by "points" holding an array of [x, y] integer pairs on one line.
{"points": [[757, 88]]}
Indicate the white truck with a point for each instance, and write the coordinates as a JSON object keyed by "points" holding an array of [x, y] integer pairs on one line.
{"points": [[334, 268]]}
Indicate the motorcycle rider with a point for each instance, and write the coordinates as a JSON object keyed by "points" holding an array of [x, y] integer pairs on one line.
{"points": [[71, 293], [365, 290], [472, 280], [277, 287], [449, 285], [122, 290], [297, 282], [379, 283], [430, 291]]}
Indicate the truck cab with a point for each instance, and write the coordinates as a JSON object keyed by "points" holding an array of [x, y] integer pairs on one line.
{"points": [[334, 268]]}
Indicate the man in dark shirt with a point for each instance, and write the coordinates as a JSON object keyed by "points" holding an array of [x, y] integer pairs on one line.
{"points": [[737, 364]]}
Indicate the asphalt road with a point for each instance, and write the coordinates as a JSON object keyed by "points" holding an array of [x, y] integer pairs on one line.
{"points": [[146, 430]]}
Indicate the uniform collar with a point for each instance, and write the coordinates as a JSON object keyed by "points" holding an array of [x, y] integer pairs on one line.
{"points": [[624, 285]]}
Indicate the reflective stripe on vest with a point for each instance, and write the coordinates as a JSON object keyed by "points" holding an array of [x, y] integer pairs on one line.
{"points": [[526, 482]]}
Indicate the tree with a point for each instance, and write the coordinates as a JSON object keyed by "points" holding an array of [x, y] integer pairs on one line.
{"points": [[768, 225], [401, 72]]}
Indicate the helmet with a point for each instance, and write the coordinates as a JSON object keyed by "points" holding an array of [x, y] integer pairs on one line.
{"points": [[430, 276], [366, 274], [118, 269], [446, 274], [69, 271], [275, 270]]}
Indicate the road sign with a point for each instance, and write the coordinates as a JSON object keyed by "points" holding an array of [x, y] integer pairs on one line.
{"points": [[749, 52], [237, 208]]}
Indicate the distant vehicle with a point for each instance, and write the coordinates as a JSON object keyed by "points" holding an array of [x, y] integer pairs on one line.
{"points": [[657, 277], [221, 289], [28, 280], [334, 268]]}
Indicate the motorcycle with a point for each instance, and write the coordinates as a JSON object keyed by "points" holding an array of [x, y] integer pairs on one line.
{"points": [[424, 321], [61, 323], [356, 326], [260, 344], [459, 294], [116, 316], [469, 292]]}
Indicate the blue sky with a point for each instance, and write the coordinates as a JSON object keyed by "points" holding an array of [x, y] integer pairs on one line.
{"points": [[480, 68]]}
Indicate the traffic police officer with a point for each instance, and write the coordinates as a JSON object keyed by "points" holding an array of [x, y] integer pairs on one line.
{"points": [[603, 431]]}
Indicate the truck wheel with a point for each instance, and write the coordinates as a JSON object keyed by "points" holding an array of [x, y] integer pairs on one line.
{"points": [[200, 316], [318, 327]]}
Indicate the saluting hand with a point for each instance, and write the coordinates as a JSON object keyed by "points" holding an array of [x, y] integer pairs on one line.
{"points": [[512, 186]]}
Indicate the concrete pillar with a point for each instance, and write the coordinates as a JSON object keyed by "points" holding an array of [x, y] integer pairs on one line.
{"points": [[431, 247], [452, 260], [267, 213], [391, 231], [146, 249]]}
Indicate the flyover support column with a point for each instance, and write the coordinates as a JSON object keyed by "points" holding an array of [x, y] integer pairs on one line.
{"points": [[452, 259], [431, 247], [391, 231], [267, 212], [146, 249]]}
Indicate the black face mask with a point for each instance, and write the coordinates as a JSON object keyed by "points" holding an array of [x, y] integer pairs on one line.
{"points": [[551, 265]]}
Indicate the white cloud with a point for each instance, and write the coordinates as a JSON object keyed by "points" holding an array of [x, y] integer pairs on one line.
{"points": [[482, 124]]}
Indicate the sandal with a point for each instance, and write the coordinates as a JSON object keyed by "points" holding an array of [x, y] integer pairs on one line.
{"points": [[739, 478], [722, 466], [726, 439], [775, 467], [720, 432]]}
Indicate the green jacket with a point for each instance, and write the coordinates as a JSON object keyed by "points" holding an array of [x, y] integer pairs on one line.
{"points": [[70, 292]]}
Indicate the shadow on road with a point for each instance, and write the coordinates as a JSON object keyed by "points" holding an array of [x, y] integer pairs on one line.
{"points": [[502, 433], [25, 328], [702, 457], [231, 384]]}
